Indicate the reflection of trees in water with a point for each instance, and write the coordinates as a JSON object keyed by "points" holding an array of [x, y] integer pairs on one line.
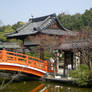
{"points": [[8, 80], [47, 88], [58, 88], [37, 86]]}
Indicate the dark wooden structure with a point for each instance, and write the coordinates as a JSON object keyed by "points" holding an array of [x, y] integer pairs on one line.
{"points": [[46, 32], [9, 46]]}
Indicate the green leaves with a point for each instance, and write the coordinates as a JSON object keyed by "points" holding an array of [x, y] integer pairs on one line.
{"points": [[81, 75], [77, 21], [4, 30], [18, 25], [9, 29]]}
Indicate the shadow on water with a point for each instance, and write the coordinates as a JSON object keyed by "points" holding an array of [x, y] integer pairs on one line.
{"points": [[38, 86]]}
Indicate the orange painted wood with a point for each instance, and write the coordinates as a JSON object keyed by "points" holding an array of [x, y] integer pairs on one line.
{"points": [[22, 59], [20, 69]]}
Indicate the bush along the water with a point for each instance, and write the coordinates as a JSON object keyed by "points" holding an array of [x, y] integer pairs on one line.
{"points": [[81, 75]]}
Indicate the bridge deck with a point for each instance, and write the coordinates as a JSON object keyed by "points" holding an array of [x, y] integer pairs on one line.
{"points": [[24, 63]]}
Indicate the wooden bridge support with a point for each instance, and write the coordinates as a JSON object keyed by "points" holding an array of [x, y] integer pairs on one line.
{"points": [[41, 53]]}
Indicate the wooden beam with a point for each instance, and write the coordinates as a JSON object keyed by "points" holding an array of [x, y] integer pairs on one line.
{"points": [[41, 53], [23, 48]]}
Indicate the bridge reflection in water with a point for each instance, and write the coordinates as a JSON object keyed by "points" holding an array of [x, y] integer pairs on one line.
{"points": [[47, 88], [59, 88], [37, 86]]}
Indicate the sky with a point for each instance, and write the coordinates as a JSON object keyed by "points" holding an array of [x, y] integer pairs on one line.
{"points": [[12, 11]]}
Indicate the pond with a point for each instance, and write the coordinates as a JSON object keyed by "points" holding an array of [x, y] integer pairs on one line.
{"points": [[38, 86]]}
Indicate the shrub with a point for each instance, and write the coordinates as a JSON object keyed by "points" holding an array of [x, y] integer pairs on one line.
{"points": [[81, 75]]}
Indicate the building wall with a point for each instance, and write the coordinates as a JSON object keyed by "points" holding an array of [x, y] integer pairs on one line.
{"points": [[45, 40]]}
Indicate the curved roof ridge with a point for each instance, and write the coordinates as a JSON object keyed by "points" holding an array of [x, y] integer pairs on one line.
{"points": [[43, 23], [41, 18], [65, 29], [19, 29]]}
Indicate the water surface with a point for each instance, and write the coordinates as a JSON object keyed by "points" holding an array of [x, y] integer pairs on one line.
{"points": [[37, 86]]}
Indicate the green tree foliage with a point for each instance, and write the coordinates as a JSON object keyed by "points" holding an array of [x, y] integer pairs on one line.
{"points": [[87, 18], [4, 30], [18, 25], [47, 53], [77, 21], [72, 22], [8, 29], [81, 75]]}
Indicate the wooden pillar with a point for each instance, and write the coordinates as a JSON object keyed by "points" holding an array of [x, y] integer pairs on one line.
{"points": [[81, 58], [41, 53], [64, 63], [72, 59], [23, 48], [57, 63]]}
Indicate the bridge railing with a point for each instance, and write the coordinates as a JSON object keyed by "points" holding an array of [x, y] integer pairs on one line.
{"points": [[22, 59], [52, 67], [18, 58]]}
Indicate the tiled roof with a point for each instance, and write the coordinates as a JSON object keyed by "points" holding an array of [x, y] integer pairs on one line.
{"points": [[9, 45], [75, 45], [40, 24], [58, 32], [41, 18]]}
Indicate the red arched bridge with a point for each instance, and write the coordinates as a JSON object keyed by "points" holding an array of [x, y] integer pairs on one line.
{"points": [[23, 63]]}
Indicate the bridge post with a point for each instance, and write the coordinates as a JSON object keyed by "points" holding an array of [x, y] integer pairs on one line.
{"points": [[4, 55], [46, 66], [26, 59]]}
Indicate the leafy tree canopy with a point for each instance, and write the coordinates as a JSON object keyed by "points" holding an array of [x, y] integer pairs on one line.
{"points": [[18, 25], [8, 29], [77, 21], [73, 22]]}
